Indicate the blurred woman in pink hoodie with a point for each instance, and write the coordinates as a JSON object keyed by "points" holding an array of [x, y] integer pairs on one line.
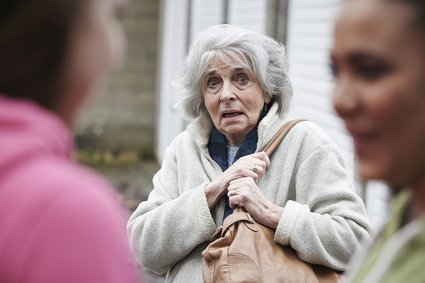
{"points": [[59, 222]]}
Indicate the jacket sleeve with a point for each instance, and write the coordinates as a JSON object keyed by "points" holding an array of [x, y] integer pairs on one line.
{"points": [[172, 222], [327, 220]]}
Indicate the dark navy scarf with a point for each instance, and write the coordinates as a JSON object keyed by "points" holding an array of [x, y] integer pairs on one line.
{"points": [[217, 147]]}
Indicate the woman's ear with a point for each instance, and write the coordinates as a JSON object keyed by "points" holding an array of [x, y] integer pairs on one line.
{"points": [[267, 97]]}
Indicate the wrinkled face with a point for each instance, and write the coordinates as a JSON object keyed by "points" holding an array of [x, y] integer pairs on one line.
{"points": [[96, 48], [234, 99], [378, 59]]}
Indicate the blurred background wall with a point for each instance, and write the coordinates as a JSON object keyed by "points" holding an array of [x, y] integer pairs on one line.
{"points": [[116, 131], [122, 115]]}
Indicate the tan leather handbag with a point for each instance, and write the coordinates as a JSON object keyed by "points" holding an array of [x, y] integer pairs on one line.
{"points": [[245, 251]]}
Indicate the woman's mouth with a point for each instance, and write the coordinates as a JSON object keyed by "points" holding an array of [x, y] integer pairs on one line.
{"points": [[363, 140], [231, 114]]}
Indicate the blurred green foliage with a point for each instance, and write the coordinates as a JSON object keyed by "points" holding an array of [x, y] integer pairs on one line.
{"points": [[97, 157]]}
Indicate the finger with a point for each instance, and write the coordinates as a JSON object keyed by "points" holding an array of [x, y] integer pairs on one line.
{"points": [[232, 193], [250, 171], [259, 170], [237, 171], [234, 184], [241, 184], [233, 203], [261, 159], [264, 157], [243, 195], [255, 169], [236, 199]]}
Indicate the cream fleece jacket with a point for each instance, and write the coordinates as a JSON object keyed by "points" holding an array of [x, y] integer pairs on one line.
{"points": [[323, 219]]}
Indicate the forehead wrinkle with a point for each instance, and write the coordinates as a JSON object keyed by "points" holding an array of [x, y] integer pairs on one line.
{"points": [[217, 64], [218, 58]]}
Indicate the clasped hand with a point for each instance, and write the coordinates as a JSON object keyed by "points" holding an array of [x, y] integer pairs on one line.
{"points": [[240, 182]]}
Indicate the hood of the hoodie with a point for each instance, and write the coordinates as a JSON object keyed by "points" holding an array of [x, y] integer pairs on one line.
{"points": [[28, 130]]}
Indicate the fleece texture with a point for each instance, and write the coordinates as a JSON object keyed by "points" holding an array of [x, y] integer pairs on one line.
{"points": [[323, 219], [59, 222]]}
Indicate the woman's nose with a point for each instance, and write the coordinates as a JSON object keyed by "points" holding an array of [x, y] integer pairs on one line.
{"points": [[227, 92], [344, 98]]}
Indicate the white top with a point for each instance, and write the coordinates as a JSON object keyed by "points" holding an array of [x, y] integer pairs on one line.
{"points": [[231, 153]]}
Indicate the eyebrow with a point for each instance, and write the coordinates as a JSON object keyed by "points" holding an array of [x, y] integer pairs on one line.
{"points": [[360, 56], [368, 54], [241, 69], [210, 73]]}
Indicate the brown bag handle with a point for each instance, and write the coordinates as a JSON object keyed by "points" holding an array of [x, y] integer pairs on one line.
{"points": [[279, 136]]}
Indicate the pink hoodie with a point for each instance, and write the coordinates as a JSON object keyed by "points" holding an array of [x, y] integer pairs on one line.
{"points": [[59, 222]]}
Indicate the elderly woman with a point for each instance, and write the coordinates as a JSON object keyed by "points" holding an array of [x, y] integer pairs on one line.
{"points": [[236, 87], [378, 57]]}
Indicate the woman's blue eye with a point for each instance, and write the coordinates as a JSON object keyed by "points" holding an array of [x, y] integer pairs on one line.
{"points": [[212, 83], [242, 79]]}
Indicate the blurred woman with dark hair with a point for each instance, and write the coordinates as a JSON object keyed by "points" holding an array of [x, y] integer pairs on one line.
{"points": [[59, 221], [378, 58]]}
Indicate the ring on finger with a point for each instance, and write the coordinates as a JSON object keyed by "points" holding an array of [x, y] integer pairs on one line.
{"points": [[255, 170], [233, 193]]}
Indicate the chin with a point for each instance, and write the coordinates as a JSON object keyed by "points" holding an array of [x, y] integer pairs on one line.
{"points": [[369, 171]]}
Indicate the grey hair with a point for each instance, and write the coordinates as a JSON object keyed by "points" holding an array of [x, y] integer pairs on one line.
{"points": [[264, 57]]}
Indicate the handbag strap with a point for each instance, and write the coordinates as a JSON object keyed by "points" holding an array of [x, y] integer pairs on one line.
{"points": [[279, 136]]}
